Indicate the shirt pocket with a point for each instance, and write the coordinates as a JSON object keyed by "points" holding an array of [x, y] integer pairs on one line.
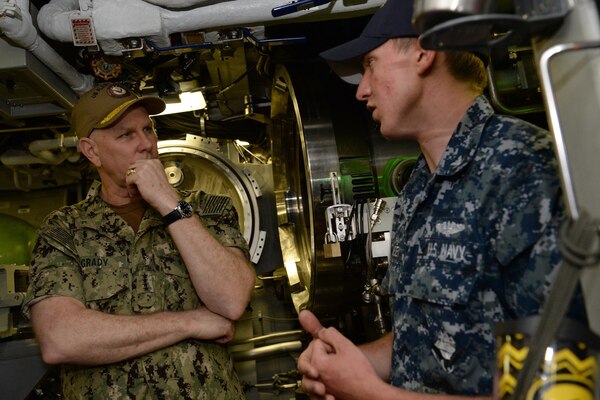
{"points": [[443, 284], [445, 272], [105, 288]]}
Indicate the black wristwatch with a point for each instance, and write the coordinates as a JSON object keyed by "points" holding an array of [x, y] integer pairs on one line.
{"points": [[183, 210]]}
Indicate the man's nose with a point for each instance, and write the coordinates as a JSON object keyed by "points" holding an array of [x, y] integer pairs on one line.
{"points": [[146, 141], [363, 91]]}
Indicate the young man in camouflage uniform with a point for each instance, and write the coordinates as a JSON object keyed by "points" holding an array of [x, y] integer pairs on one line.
{"points": [[135, 289], [475, 227]]}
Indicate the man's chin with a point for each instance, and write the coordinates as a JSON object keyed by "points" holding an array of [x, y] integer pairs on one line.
{"points": [[134, 194], [384, 132]]}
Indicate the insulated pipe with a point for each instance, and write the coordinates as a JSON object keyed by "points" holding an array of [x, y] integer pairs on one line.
{"points": [[244, 13], [112, 18], [177, 3], [12, 158], [54, 19], [17, 25], [46, 149], [44, 152]]}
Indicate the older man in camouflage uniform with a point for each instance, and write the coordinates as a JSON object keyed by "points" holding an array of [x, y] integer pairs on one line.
{"points": [[135, 289], [475, 227]]}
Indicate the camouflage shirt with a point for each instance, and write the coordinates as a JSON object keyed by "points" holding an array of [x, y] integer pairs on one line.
{"points": [[474, 243], [87, 252]]}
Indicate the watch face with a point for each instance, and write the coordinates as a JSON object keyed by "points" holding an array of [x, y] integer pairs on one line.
{"points": [[185, 208]]}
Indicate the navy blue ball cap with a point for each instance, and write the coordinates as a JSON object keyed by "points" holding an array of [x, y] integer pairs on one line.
{"points": [[393, 19]]}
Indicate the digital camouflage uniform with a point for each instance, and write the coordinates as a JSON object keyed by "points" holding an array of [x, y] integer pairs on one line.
{"points": [[87, 252], [474, 243]]}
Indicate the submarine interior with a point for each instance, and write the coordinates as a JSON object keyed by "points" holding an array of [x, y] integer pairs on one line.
{"points": [[255, 114]]}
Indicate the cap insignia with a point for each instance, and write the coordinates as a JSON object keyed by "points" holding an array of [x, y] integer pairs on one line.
{"points": [[117, 91]]}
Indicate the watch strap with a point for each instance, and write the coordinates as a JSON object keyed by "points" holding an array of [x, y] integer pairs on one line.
{"points": [[171, 217], [178, 213]]}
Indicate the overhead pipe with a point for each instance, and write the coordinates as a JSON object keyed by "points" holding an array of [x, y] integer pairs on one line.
{"points": [[112, 18], [178, 3], [12, 158], [16, 23], [57, 150], [44, 151], [244, 13]]}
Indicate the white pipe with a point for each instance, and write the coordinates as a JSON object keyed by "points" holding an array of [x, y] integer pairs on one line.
{"points": [[46, 149], [17, 25], [244, 13], [54, 19], [13, 158], [177, 3], [112, 18]]}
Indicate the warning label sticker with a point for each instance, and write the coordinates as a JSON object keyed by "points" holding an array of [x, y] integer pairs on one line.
{"points": [[83, 31]]}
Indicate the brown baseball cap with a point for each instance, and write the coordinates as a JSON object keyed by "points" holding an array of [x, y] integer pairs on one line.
{"points": [[104, 104]]}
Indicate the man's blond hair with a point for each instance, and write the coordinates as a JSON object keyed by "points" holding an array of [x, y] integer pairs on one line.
{"points": [[462, 65]]}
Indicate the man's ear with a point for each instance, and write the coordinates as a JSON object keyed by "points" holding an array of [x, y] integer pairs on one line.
{"points": [[425, 60], [90, 150]]}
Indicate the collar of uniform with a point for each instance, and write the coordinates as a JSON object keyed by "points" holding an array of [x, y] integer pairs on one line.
{"points": [[465, 139], [96, 205], [95, 213]]}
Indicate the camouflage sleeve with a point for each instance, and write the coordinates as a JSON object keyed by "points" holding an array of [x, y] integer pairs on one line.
{"points": [[54, 268], [220, 217], [527, 230], [528, 205]]}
